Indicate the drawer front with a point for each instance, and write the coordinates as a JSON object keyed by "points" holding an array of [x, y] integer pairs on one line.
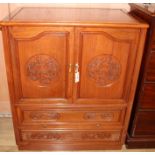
{"points": [[150, 75], [147, 98], [42, 115], [145, 124], [70, 136]]}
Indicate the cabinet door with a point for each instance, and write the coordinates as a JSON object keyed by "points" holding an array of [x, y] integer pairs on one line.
{"points": [[106, 59], [41, 57]]}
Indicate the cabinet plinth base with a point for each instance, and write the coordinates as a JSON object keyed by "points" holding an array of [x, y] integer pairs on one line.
{"points": [[70, 147]]}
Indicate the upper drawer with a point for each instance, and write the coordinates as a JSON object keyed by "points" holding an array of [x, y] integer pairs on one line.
{"points": [[147, 98], [44, 115], [150, 75]]}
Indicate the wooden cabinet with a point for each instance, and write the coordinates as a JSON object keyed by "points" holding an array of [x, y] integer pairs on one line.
{"points": [[141, 132], [72, 76]]}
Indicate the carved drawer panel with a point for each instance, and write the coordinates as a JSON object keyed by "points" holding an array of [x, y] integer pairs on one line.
{"points": [[37, 115], [70, 136]]}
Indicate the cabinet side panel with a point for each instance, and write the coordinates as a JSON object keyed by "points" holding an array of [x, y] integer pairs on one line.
{"points": [[7, 53]]}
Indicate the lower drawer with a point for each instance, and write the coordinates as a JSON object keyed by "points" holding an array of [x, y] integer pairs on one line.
{"points": [[60, 136], [145, 124]]}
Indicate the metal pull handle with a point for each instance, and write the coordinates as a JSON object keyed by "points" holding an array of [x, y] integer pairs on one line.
{"points": [[77, 74], [76, 68]]}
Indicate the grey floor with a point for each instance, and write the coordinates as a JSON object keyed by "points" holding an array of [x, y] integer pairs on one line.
{"points": [[7, 139]]}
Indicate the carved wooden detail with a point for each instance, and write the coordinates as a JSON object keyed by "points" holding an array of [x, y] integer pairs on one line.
{"points": [[106, 116], [104, 69], [89, 115], [51, 136], [44, 115], [42, 68], [96, 135], [71, 136]]}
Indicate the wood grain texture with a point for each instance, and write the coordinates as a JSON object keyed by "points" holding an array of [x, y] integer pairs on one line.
{"points": [[70, 136], [72, 16], [49, 107], [56, 45], [147, 97], [36, 115], [150, 74], [145, 124], [95, 42]]}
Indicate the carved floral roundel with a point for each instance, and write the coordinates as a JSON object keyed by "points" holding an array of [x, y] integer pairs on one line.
{"points": [[42, 68], [104, 69]]}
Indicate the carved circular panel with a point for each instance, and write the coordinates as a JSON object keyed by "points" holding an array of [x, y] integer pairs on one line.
{"points": [[104, 69], [42, 68]]}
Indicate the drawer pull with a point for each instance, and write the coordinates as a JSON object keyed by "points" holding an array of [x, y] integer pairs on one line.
{"points": [[98, 125], [77, 74]]}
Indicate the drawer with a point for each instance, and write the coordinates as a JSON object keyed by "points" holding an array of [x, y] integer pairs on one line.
{"points": [[145, 124], [150, 74], [48, 115], [59, 136], [147, 98]]}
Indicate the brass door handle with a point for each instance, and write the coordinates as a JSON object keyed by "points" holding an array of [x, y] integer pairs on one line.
{"points": [[76, 67], [77, 74]]}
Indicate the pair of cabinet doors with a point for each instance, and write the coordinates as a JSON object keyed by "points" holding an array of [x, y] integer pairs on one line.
{"points": [[70, 65]]}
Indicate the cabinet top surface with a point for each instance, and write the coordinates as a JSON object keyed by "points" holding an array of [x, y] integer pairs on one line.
{"points": [[71, 16]]}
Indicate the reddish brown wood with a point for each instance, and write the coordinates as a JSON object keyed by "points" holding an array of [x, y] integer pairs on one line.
{"points": [[141, 129], [147, 98], [150, 73], [51, 111], [145, 124]]}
